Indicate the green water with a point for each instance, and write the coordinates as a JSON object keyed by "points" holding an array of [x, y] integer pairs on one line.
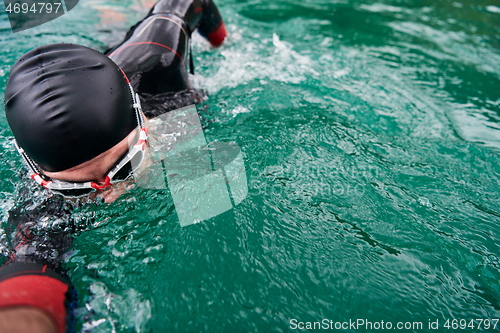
{"points": [[371, 133]]}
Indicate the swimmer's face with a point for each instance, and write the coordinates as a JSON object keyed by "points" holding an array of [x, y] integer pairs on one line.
{"points": [[97, 168]]}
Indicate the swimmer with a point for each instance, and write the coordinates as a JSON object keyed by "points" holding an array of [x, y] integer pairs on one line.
{"points": [[79, 122]]}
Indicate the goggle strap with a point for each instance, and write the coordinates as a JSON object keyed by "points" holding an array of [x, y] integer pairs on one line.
{"points": [[45, 183], [29, 162], [137, 106], [143, 136], [107, 183]]}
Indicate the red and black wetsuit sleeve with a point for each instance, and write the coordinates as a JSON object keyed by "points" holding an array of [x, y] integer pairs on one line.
{"points": [[35, 285], [211, 25], [34, 276], [197, 14]]}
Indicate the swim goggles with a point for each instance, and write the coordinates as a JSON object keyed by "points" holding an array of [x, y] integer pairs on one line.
{"points": [[120, 172]]}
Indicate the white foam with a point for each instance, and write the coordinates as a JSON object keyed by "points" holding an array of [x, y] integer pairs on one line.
{"points": [[380, 7], [240, 66], [239, 109], [493, 9], [134, 311]]}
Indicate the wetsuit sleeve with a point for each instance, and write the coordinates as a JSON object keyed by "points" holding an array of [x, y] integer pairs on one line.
{"points": [[35, 285], [211, 24], [40, 232]]}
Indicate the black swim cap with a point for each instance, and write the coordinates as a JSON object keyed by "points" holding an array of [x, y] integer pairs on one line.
{"points": [[66, 104]]}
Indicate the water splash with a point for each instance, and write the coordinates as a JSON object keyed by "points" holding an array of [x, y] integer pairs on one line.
{"points": [[105, 311]]}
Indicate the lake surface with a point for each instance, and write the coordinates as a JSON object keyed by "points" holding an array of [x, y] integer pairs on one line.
{"points": [[370, 132]]}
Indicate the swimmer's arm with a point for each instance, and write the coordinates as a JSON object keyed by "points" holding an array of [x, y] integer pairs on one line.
{"points": [[26, 320], [212, 25]]}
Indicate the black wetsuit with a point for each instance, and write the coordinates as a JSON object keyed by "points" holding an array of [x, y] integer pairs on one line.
{"points": [[154, 55]]}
